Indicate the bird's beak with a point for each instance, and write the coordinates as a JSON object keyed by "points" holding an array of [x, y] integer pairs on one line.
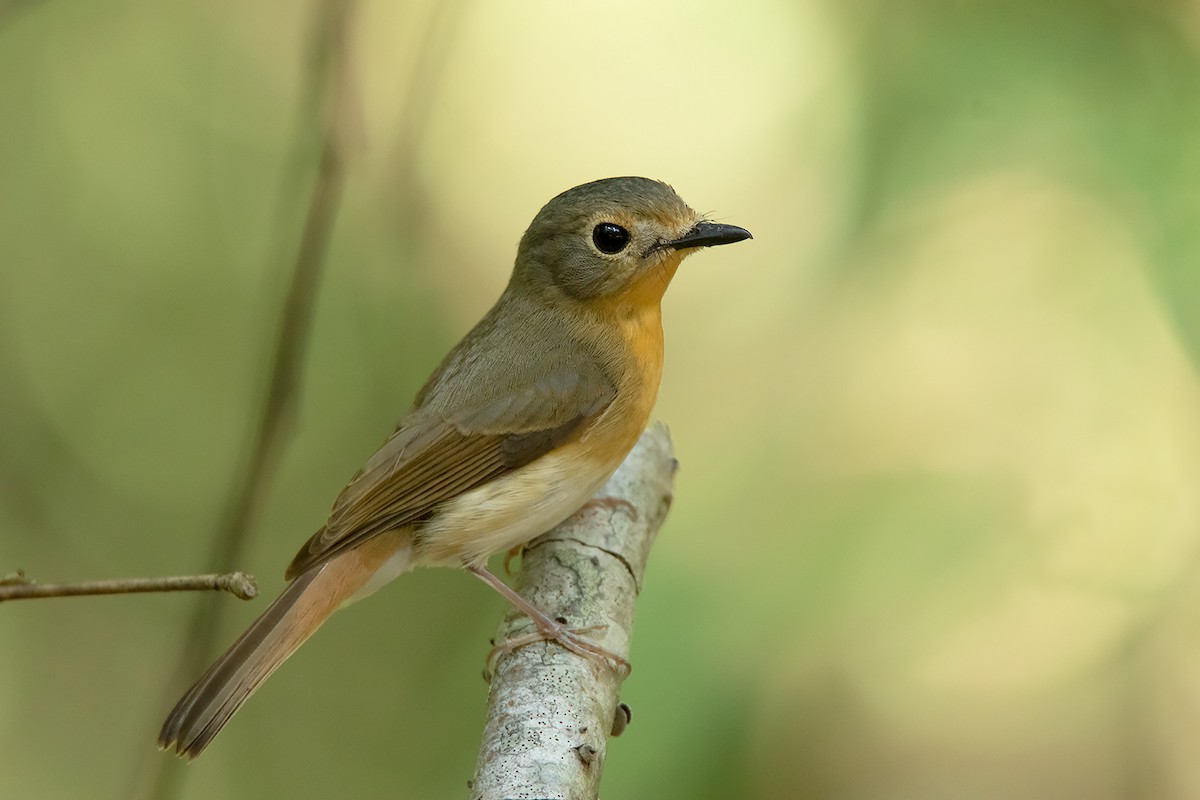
{"points": [[708, 234]]}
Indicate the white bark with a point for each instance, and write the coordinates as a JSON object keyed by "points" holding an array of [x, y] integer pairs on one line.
{"points": [[550, 712]]}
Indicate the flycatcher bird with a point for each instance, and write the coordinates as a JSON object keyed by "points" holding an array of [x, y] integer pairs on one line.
{"points": [[515, 430]]}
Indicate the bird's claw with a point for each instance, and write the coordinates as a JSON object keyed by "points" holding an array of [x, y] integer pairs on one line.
{"points": [[510, 555], [569, 638]]}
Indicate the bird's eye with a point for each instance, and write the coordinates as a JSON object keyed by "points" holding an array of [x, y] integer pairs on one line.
{"points": [[610, 237]]}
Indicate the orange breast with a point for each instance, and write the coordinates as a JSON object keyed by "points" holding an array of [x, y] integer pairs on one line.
{"points": [[515, 508], [616, 431]]}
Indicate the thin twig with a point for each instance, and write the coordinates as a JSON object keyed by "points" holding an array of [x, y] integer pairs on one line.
{"points": [[329, 109], [423, 82], [239, 584], [331, 32], [551, 712], [279, 401]]}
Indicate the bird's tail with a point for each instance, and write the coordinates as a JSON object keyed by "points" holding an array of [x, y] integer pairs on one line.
{"points": [[286, 624]]}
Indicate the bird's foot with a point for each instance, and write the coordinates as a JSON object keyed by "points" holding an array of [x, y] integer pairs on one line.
{"points": [[611, 504], [572, 639], [549, 629]]}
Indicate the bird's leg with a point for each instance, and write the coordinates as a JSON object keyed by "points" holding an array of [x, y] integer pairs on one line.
{"points": [[548, 629]]}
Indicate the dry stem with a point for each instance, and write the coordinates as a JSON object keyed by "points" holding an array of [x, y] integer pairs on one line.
{"points": [[18, 587]]}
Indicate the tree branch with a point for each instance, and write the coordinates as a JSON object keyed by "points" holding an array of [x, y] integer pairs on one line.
{"points": [[19, 587], [550, 712]]}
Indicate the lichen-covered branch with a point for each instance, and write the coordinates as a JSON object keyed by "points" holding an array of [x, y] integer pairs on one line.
{"points": [[550, 712], [19, 587]]}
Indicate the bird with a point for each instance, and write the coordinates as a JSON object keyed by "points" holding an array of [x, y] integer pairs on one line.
{"points": [[518, 426]]}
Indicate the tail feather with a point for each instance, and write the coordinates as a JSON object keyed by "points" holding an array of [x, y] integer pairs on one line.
{"points": [[287, 623], [219, 693]]}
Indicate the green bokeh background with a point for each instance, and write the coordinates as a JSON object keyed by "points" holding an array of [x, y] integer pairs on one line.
{"points": [[936, 528]]}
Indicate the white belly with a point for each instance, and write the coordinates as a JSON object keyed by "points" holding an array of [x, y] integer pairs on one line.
{"points": [[509, 511]]}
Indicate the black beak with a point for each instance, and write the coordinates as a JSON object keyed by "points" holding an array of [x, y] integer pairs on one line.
{"points": [[708, 234]]}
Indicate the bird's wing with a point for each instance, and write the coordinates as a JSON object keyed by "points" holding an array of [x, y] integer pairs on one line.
{"points": [[433, 457]]}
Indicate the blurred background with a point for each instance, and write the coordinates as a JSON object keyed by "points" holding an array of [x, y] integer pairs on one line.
{"points": [[937, 524]]}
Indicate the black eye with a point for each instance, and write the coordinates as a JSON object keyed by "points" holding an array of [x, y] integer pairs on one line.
{"points": [[610, 237]]}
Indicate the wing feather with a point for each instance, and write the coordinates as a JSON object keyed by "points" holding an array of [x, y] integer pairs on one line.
{"points": [[434, 456]]}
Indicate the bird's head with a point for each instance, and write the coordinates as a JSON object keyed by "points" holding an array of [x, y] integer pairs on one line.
{"points": [[616, 239]]}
